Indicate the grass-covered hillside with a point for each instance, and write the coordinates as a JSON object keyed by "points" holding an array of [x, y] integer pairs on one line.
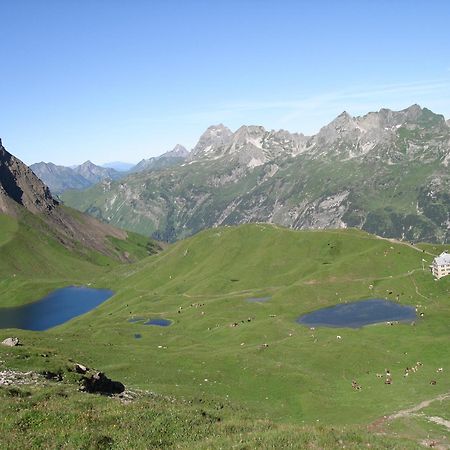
{"points": [[249, 363], [35, 257]]}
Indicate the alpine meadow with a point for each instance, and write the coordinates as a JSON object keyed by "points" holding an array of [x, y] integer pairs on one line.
{"points": [[172, 277]]}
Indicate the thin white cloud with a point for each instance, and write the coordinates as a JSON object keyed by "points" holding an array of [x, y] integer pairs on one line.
{"points": [[356, 100]]}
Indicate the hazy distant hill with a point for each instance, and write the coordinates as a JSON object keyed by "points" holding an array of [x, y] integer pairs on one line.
{"points": [[385, 172], [176, 156], [119, 166], [61, 178]]}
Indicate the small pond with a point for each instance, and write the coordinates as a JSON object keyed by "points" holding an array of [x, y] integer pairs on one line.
{"points": [[158, 322], [358, 314], [54, 309]]}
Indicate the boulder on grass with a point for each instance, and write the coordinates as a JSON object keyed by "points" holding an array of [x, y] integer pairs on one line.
{"points": [[100, 383], [79, 368], [11, 342]]}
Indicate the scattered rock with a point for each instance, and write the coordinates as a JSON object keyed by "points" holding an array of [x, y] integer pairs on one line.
{"points": [[15, 378], [79, 368], [100, 383], [11, 342]]}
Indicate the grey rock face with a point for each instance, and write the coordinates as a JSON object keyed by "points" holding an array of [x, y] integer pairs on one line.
{"points": [[177, 152], [19, 184], [213, 138]]}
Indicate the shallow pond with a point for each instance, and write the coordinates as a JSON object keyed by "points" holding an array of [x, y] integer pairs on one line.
{"points": [[358, 314], [158, 322], [54, 309]]}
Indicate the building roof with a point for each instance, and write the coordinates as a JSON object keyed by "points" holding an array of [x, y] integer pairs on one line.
{"points": [[443, 259]]}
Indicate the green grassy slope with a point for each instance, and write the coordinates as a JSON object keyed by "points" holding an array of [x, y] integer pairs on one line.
{"points": [[33, 261], [304, 376]]}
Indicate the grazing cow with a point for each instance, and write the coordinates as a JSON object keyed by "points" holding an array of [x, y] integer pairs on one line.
{"points": [[388, 379]]}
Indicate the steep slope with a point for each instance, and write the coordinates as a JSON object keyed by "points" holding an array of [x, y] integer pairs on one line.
{"points": [[385, 172], [19, 185], [28, 208], [59, 178]]}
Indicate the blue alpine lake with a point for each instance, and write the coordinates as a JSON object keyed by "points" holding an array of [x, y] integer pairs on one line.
{"points": [[359, 313], [54, 309], [158, 322]]}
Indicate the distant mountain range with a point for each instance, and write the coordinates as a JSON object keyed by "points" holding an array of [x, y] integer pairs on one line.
{"points": [[61, 178], [385, 172]]}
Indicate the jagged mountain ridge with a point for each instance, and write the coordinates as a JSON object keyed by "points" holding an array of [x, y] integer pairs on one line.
{"points": [[385, 172]]}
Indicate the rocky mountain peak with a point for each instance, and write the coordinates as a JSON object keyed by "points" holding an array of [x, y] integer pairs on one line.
{"points": [[177, 152], [343, 127], [214, 137], [94, 173], [19, 184], [251, 134], [414, 110], [87, 165]]}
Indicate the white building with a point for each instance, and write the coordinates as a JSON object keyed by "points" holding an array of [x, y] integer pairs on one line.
{"points": [[441, 265]]}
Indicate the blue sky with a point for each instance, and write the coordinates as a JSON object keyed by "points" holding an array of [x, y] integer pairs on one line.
{"points": [[122, 80]]}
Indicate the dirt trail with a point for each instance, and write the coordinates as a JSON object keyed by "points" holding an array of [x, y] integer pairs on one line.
{"points": [[408, 244], [409, 411], [440, 421]]}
